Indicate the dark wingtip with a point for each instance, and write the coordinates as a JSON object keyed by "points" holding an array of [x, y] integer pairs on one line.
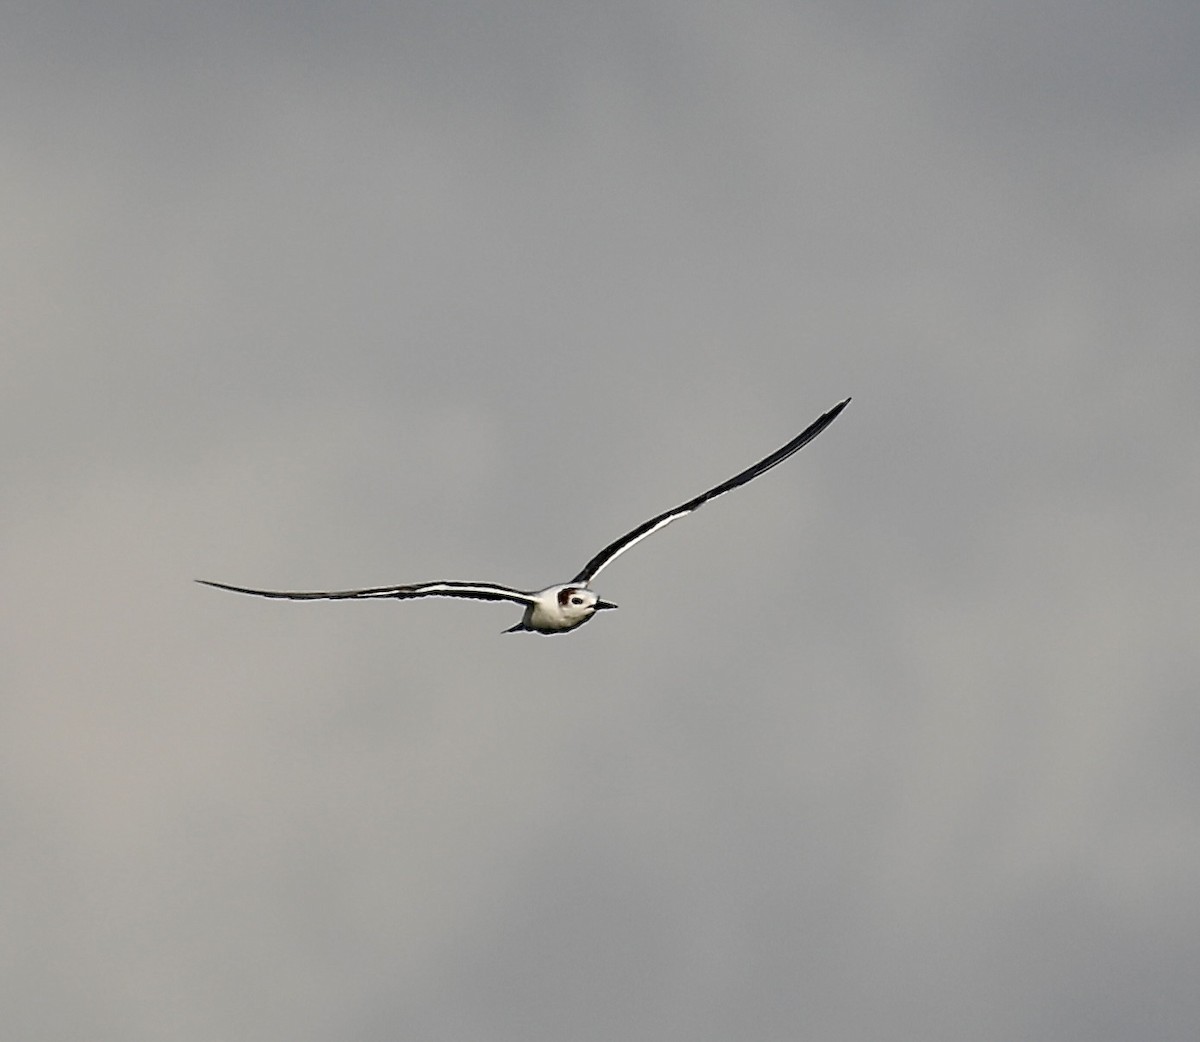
{"points": [[231, 589], [831, 415], [218, 586]]}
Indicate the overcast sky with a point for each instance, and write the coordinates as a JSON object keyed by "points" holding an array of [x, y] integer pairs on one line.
{"points": [[900, 742]]}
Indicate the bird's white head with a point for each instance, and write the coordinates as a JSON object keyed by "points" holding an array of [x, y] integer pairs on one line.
{"points": [[578, 603]]}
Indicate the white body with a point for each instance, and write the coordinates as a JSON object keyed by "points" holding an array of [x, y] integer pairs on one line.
{"points": [[558, 609]]}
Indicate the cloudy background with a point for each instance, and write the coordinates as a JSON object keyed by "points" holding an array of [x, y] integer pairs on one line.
{"points": [[900, 742]]}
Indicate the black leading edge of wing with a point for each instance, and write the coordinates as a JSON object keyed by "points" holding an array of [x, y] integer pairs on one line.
{"points": [[619, 546], [474, 591]]}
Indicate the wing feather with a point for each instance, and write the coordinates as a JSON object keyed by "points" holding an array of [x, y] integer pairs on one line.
{"points": [[473, 591], [631, 538]]}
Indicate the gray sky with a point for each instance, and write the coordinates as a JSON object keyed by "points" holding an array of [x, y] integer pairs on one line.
{"points": [[900, 742]]}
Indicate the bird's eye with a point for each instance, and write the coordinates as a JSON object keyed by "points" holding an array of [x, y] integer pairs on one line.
{"points": [[576, 600]]}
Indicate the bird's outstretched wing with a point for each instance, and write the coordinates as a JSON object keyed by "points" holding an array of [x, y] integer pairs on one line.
{"points": [[619, 546], [474, 591]]}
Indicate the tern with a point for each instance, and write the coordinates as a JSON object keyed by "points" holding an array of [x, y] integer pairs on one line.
{"points": [[564, 606]]}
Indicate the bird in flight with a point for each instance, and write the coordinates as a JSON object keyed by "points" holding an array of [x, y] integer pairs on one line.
{"points": [[565, 606]]}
